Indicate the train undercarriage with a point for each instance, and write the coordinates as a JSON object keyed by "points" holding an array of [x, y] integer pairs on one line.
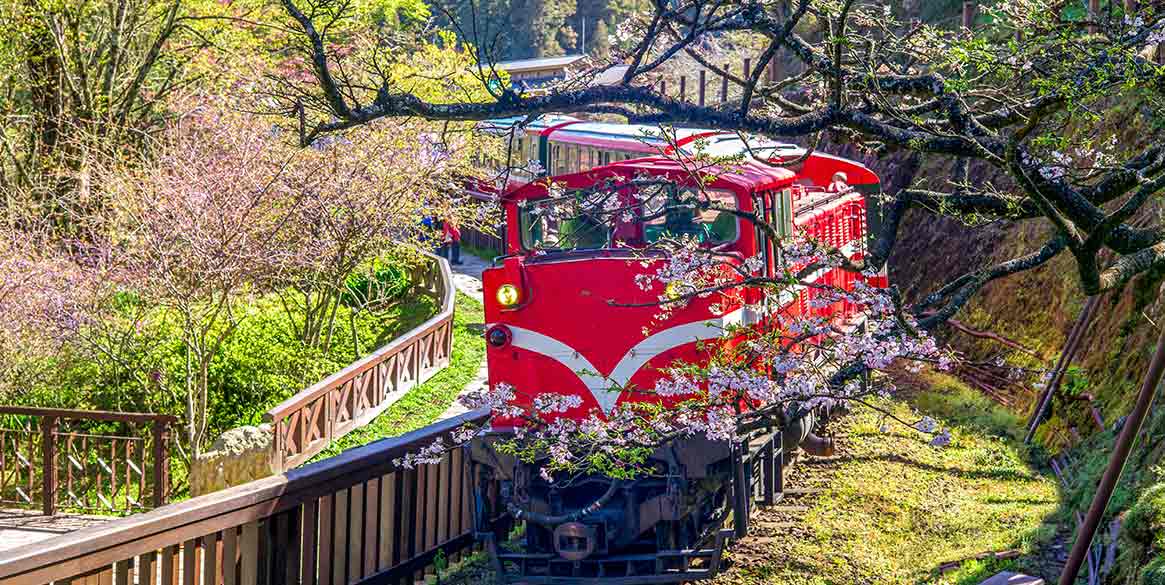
{"points": [[668, 526]]}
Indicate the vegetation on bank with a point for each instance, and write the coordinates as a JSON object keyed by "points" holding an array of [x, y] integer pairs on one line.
{"points": [[895, 508], [423, 404]]}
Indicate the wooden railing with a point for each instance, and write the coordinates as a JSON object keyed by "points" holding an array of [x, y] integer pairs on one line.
{"points": [[55, 459], [353, 518], [484, 239], [308, 422]]}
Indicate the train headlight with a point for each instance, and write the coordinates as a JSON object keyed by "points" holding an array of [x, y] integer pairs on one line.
{"points": [[674, 291], [498, 335], [508, 295]]}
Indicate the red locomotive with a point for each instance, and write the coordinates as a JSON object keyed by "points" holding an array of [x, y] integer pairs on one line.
{"points": [[551, 328]]}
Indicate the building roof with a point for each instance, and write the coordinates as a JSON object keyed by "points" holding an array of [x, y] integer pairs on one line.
{"points": [[524, 65]]}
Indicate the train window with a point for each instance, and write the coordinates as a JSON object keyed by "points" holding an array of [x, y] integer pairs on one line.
{"points": [[518, 151], [597, 219], [544, 227], [692, 213]]}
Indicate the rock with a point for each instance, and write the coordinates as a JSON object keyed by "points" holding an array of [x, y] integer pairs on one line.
{"points": [[239, 456], [1009, 578]]}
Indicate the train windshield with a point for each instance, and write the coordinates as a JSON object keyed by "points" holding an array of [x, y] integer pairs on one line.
{"points": [[633, 216]]}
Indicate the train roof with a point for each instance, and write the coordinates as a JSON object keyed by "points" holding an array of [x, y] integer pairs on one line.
{"points": [[541, 122], [640, 137], [748, 175], [645, 139]]}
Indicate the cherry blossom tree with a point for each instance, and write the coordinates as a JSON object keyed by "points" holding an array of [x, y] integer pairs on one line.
{"points": [[43, 296], [198, 226], [362, 196]]}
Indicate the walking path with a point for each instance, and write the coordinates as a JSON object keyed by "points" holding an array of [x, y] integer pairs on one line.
{"points": [[467, 279], [21, 527]]}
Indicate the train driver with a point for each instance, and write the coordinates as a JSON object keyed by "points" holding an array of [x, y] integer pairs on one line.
{"points": [[839, 183]]}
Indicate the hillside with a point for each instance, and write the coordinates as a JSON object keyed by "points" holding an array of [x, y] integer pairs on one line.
{"points": [[1037, 308]]}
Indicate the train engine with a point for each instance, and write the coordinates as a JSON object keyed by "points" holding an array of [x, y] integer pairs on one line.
{"points": [[551, 327]]}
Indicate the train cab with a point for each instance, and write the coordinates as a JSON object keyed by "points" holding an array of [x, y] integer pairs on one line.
{"points": [[564, 309]]}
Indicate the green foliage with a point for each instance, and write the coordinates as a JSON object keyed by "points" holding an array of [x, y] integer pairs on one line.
{"points": [[380, 282], [950, 398], [393, 14], [1154, 572], [259, 365], [543, 28], [1145, 521]]}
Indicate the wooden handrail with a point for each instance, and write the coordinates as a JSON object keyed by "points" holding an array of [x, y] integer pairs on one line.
{"points": [[231, 515], [306, 423], [69, 413]]}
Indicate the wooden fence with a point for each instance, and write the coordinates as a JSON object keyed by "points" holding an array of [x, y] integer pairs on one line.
{"points": [[308, 422], [353, 518], [90, 461]]}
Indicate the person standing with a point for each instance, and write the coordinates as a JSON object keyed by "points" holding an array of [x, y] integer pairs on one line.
{"points": [[452, 241]]}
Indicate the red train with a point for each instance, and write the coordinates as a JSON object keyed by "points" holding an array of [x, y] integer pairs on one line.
{"points": [[551, 328]]}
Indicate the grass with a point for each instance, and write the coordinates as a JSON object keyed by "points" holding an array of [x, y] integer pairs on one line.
{"points": [[896, 508], [423, 404]]}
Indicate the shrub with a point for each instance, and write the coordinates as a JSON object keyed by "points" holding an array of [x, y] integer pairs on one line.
{"points": [[380, 283]]}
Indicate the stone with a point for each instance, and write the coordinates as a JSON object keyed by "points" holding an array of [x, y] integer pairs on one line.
{"points": [[239, 456], [1009, 578]]}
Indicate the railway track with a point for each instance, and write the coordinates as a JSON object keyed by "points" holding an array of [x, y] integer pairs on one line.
{"points": [[773, 529]]}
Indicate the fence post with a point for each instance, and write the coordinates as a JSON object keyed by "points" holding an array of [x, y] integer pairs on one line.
{"points": [[277, 447], [703, 85], [161, 433], [48, 429]]}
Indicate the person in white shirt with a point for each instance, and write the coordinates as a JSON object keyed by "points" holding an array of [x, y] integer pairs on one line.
{"points": [[839, 183]]}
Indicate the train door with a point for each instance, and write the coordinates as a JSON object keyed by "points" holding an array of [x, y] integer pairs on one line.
{"points": [[774, 207]]}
